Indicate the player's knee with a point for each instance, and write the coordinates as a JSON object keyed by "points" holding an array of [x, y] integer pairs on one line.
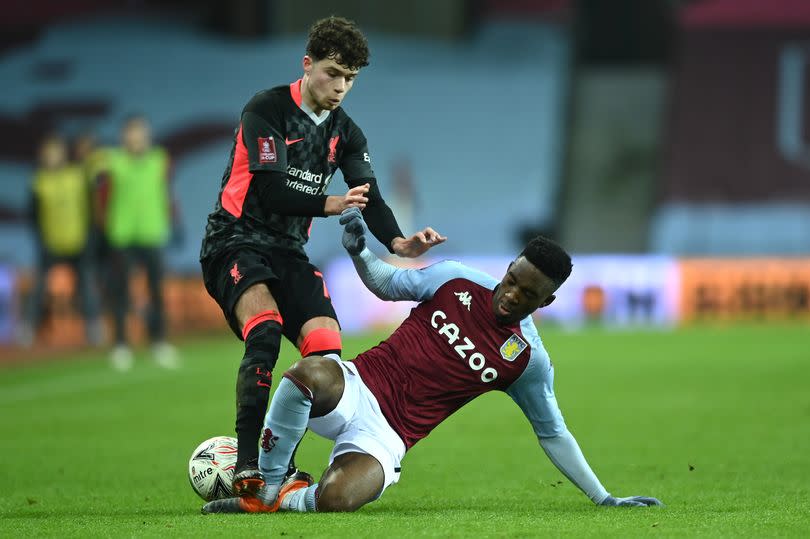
{"points": [[320, 375], [333, 498]]}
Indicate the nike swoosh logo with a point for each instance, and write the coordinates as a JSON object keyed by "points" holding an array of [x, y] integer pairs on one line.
{"points": [[288, 141]]}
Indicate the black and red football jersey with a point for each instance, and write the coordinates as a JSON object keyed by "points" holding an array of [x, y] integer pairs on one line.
{"points": [[277, 134]]}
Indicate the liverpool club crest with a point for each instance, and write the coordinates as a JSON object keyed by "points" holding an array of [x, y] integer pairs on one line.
{"points": [[512, 348]]}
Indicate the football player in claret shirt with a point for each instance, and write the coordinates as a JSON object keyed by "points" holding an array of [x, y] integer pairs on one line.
{"points": [[290, 142], [470, 334]]}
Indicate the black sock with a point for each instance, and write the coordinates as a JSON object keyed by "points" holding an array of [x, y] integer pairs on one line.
{"points": [[253, 387]]}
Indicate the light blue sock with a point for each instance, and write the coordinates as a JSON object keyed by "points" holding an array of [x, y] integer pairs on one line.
{"points": [[300, 501], [284, 425]]}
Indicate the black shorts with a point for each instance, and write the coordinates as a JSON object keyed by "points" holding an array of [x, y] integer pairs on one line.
{"points": [[296, 285]]}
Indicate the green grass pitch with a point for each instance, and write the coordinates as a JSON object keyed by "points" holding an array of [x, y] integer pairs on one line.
{"points": [[714, 421]]}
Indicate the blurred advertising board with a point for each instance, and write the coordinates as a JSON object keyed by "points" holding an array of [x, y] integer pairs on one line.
{"points": [[619, 291], [745, 289], [612, 290], [7, 314], [189, 308], [609, 290]]}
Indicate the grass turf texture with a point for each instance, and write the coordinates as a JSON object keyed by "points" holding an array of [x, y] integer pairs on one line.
{"points": [[714, 421]]}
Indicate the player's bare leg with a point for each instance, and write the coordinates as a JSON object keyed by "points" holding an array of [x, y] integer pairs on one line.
{"points": [[257, 313], [350, 482]]}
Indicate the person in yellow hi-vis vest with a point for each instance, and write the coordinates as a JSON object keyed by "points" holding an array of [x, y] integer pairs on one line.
{"points": [[90, 156], [60, 211], [137, 227]]}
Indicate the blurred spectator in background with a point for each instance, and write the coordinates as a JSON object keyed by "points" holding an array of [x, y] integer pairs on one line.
{"points": [[137, 222], [90, 157], [60, 211]]}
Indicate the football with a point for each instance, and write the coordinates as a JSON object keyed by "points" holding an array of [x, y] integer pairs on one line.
{"points": [[210, 469]]}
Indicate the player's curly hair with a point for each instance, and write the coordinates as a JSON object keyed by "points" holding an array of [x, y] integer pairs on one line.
{"points": [[547, 256], [339, 39]]}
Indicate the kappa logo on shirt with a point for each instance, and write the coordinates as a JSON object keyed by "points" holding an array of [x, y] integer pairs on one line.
{"points": [[512, 348], [465, 298], [267, 150]]}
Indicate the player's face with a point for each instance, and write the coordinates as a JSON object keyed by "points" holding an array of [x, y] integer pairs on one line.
{"points": [[523, 290], [84, 146], [136, 136], [326, 83], [53, 154]]}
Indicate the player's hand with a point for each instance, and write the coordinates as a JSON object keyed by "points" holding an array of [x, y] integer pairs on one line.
{"points": [[632, 501], [417, 244], [354, 231], [354, 198]]}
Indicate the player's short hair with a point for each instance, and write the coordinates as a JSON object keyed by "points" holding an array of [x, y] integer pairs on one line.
{"points": [[547, 256], [339, 39], [52, 137], [133, 119]]}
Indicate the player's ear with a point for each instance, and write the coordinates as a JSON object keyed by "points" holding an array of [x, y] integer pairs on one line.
{"points": [[548, 300], [307, 64]]}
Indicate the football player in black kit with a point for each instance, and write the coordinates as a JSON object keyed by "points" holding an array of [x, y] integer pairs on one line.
{"points": [[290, 141]]}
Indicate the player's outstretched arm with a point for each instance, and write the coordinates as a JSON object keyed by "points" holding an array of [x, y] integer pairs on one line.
{"points": [[388, 282], [418, 244], [564, 452], [534, 393], [375, 274]]}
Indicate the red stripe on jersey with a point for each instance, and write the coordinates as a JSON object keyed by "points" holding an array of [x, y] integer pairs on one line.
{"points": [[233, 196], [295, 92]]}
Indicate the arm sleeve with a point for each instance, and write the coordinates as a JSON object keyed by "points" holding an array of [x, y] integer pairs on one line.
{"points": [[355, 163], [263, 137], [390, 283], [355, 160], [378, 215], [276, 197], [566, 455], [534, 393]]}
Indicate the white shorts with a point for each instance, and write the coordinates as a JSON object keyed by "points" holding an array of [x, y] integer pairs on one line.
{"points": [[357, 425]]}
